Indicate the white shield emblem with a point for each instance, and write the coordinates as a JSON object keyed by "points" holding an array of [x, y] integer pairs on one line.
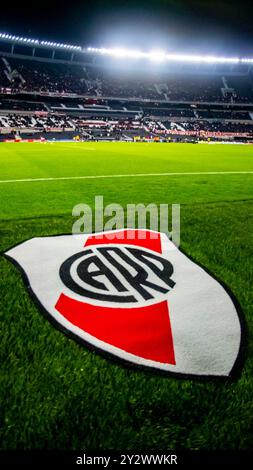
{"points": [[134, 295]]}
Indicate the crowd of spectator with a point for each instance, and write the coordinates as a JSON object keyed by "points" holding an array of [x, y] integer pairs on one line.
{"points": [[119, 104], [117, 129], [216, 126], [45, 77], [35, 122], [21, 105], [51, 77]]}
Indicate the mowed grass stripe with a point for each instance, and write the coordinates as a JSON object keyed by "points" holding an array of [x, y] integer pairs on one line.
{"points": [[57, 394], [131, 175]]}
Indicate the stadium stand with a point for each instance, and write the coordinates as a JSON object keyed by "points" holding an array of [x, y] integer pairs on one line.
{"points": [[15, 105], [60, 99], [29, 75]]}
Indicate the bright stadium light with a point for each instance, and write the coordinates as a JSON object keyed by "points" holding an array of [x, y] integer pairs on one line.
{"points": [[248, 61], [157, 56], [203, 59], [23, 40], [119, 52], [161, 56], [135, 54]]}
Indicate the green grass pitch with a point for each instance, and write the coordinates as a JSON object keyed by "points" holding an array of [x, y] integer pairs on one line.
{"points": [[56, 394]]}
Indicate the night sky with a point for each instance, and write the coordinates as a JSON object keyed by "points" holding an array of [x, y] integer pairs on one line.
{"points": [[192, 26]]}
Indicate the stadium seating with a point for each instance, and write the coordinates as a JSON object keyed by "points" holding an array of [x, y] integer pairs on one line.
{"points": [[31, 75], [46, 97], [17, 105], [47, 77]]}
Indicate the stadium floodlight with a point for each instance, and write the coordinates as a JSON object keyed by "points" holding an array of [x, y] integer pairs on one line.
{"points": [[60, 45], [201, 59], [157, 56], [117, 52], [13, 38], [135, 54], [120, 52], [161, 56], [248, 61]]}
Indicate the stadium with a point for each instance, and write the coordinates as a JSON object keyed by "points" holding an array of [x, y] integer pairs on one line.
{"points": [[136, 127], [58, 91]]}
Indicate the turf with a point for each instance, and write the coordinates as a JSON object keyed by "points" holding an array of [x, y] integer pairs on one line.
{"points": [[55, 393]]}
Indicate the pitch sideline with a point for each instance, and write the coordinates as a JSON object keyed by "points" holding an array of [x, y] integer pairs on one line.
{"points": [[131, 175]]}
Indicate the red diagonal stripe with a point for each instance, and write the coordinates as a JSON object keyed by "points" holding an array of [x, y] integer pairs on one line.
{"points": [[143, 238], [143, 331]]}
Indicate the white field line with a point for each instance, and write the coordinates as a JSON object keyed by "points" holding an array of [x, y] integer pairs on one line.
{"points": [[131, 175], [78, 148]]}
